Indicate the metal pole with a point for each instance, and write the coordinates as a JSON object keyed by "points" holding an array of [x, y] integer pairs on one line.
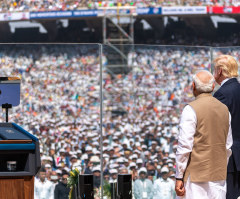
{"points": [[78, 189], [75, 191], [101, 118], [113, 191]]}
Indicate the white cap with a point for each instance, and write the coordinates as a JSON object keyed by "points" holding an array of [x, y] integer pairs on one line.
{"points": [[137, 144], [105, 142], [132, 164], [88, 148], [164, 169], [139, 161], [146, 152], [44, 157], [134, 156], [113, 171], [84, 156], [118, 133], [142, 169], [49, 158], [172, 156], [120, 160], [95, 159], [137, 151], [115, 165], [115, 145], [79, 151], [97, 152], [170, 165], [67, 169], [110, 149], [77, 165], [47, 166], [105, 155], [58, 171], [154, 142], [73, 157], [62, 151], [115, 138], [97, 168], [95, 143], [166, 150]]}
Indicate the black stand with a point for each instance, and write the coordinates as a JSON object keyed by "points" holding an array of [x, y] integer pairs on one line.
{"points": [[113, 190], [124, 186], [7, 106]]}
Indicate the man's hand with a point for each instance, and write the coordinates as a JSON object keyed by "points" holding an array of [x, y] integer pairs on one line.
{"points": [[179, 188]]}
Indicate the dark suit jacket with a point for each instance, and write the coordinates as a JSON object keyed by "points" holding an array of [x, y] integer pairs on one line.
{"points": [[229, 94]]}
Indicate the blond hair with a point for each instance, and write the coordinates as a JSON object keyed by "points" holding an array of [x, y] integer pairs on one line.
{"points": [[228, 65]]}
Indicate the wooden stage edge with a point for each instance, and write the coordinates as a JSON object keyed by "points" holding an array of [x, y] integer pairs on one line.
{"points": [[15, 141]]}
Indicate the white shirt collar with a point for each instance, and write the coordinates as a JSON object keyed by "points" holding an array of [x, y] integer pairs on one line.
{"points": [[224, 81], [162, 180]]}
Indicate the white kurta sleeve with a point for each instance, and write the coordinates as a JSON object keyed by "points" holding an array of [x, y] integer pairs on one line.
{"points": [[229, 139], [187, 129]]}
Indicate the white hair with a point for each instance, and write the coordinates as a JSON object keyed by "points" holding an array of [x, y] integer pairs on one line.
{"points": [[203, 87]]}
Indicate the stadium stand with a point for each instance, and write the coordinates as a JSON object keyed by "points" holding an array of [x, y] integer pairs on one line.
{"points": [[56, 5]]}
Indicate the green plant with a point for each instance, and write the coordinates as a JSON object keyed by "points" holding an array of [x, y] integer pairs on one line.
{"points": [[72, 181], [107, 190]]}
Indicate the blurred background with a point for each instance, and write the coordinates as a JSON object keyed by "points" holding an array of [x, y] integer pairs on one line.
{"points": [[103, 83]]}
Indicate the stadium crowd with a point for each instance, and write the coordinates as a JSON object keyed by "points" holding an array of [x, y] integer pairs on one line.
{"points": [[60, 104], [60, 5]]}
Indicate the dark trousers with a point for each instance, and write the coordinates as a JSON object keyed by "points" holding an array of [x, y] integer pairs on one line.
{"points": [[233, 185]]}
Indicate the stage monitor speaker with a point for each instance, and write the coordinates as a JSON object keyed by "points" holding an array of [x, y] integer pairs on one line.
{"points": [[85, 184], [124, 186]]}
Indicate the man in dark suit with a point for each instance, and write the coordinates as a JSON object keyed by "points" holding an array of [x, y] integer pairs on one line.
{"points": [[226, 73]]}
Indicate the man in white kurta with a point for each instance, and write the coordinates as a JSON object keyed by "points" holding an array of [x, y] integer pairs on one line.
{"points": [[163, 187], [43, 188], [143, 187], [187, 127]]}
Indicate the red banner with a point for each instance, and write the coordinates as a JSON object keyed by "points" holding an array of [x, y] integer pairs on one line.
{"points": [[223, 10]]}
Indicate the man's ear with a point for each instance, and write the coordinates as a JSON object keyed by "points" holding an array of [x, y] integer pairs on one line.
{"points": [[213, 86], [220, 71], [193, 86]]}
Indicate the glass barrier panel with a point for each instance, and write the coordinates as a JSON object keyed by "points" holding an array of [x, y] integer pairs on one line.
{"points": [[60, 104], [145, 89]]}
